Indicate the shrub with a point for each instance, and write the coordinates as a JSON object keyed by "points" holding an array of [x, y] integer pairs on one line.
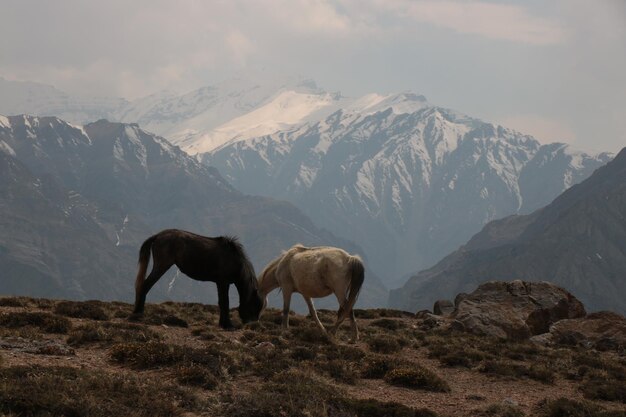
{"points": [[196, 376], [343, 352], [384, 344], [64, 391], [605, 389], [82, 310], [463, 357], [340, 371], [47, 322], [146, 355], [389, 324], [110, 332], [375, 408], [13, 302], [288, 394], [376, 367], [416, 377], [565, 407], [302, 353], [310, 335], [539, 371]]}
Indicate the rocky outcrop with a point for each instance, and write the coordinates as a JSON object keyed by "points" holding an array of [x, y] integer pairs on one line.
{"points": [[443, 307], [515, 310], [604, 330]]}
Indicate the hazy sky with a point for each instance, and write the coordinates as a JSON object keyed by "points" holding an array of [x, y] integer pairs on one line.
{"points": [[555, 69]]}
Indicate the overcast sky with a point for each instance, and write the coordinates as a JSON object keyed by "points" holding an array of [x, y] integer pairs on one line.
{"points": [[554, 69]]}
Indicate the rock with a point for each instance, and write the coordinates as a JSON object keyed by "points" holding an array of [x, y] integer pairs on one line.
{"points": [[459, 297], [430, 321], [443, 307], [604, 330], [542, 339], [422, 314], [515, 310]]}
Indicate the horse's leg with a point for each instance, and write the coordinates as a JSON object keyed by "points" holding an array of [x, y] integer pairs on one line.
{"points": [[286, 303], [222, 295], [313, 312], [355, 329], [157, 272], [341, 313]]}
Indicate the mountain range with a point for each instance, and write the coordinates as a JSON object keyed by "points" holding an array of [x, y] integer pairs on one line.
{"points": [[409, 182], [78, 201], [578, 241]]}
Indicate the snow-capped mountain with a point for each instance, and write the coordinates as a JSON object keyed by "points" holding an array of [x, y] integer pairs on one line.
{"points": [[207, 117], [409, 184], [78, 201]]}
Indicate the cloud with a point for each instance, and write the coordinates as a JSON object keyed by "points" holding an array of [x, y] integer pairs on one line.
{"points": [[542, 128], [505, 22]]}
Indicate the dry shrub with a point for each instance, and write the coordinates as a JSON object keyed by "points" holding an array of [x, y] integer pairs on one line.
{"points": [[291, 393], [111, 333], [64, 391], [384, 344], [13, 301], [82, 310], [388, 324], [607, 389], [416, 377], [540, 371], [303, 353], [339, 370], [47, 322], [146, 355], [312, 335], [375, 408], [565, 407], [196, 376]]}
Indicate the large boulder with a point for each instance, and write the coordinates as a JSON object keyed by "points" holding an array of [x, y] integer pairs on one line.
{"points": [[604, 330], [516, 309]]}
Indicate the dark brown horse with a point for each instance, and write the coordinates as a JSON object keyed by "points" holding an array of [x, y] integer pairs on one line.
{"points": [[218, 259]]}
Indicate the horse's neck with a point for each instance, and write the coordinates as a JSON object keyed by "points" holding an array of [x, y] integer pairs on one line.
{"points": [[268, 284]]}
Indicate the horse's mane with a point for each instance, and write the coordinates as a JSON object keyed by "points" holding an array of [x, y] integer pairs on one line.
{"points": [[247, 270]]}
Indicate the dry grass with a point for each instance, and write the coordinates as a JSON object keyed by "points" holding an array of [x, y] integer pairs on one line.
{"points": [[416, 377], [65, 391], [178, 352], [46, 322]]}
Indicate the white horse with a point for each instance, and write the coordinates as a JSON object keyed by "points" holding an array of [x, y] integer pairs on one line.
{"points": [[316, 272]]}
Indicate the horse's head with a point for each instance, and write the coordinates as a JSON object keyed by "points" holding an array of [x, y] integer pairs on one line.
{"points": [[251, 310]]}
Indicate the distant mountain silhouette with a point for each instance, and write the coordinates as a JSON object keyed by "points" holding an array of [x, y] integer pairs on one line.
{"points": [[578, 242]]}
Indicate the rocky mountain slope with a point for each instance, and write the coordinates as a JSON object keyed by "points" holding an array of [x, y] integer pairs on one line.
{"points": [[408, 181], [578, 242], [78, 201]]}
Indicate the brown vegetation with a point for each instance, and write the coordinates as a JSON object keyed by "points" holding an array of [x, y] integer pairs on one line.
{"points": [[177, 362]]}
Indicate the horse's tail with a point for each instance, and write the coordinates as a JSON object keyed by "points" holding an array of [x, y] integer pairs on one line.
{"points": [[357, 276], [144, 258]]}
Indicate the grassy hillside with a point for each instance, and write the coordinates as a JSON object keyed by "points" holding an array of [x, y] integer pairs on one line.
{"points": [[79, 359]]}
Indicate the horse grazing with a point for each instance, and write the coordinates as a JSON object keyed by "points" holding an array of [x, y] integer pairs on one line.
{"points": [[218, 259], [316, 272]]}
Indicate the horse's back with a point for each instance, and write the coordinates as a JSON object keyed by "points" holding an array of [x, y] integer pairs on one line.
{"points": [[318, 271]]}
